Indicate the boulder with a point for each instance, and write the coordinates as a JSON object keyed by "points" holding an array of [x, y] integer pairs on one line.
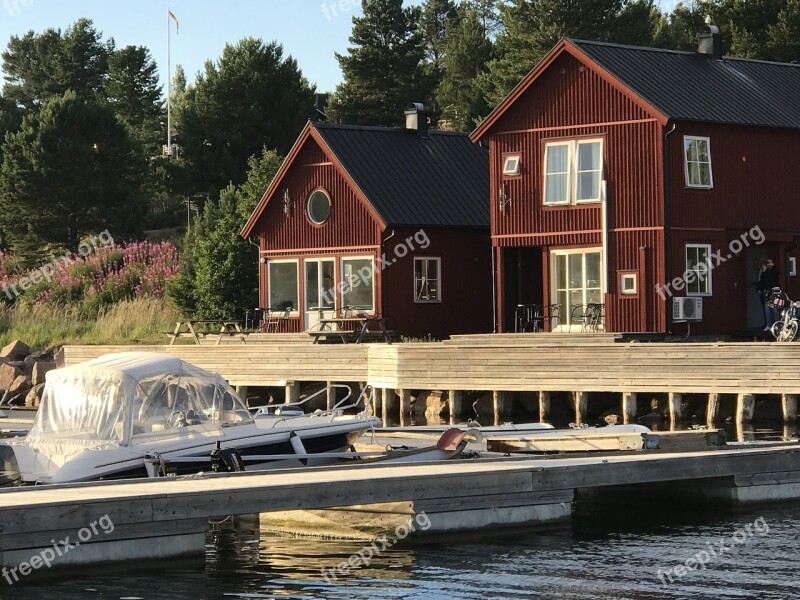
{"points": [[431, 405], [34, 397], [40, 369], [16, 350], [20, 385], [9, 374]]}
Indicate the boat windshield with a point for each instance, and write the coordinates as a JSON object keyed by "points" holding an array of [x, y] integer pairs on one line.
{"points": [[114, 407]]}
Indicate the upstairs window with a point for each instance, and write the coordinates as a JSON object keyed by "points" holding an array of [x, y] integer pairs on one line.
{"points": [[511, 165], [573, 172], [698, 162]]}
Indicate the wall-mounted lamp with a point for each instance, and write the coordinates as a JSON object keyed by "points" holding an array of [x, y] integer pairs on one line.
{"points": [[287, 203], [505, 200]]}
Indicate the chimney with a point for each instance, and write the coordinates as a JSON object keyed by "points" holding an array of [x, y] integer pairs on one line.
{"points": [[710, 40], [417, 119]]}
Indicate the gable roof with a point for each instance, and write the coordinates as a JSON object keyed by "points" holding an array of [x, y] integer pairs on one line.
{"points": [[687, 86], [406, 180], [683, 86]]}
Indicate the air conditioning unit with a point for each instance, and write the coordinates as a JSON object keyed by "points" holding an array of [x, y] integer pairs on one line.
{"points": [[687, 309]]}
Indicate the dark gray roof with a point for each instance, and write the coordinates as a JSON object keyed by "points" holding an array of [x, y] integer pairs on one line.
{"points": [[436, 181], [688, 86]]}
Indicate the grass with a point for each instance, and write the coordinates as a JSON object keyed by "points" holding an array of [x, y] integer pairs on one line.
{"points": [[139, 321]]}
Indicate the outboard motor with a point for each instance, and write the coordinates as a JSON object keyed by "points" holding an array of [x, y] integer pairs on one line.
{"points": [[226, 461], [10, 475]]}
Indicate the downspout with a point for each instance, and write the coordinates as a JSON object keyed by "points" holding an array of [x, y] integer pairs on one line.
{"points": [[258, 270], [667, 222], [383, 280], [494, 290]]}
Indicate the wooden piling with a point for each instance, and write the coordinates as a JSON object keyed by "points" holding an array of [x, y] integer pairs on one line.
{"points": [[389, 408], [499, 406], [544, 407], [330, 394], [712, 409], [580, 402], [789, 407], [376, 406], [628, 407], [455, 399], [405, 405], [292, 392], [745, 406], [675, 401]]}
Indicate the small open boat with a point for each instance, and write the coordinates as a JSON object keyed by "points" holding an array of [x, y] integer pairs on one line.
{"points": [[132, 415]]}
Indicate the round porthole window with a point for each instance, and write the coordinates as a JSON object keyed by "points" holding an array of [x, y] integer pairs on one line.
{"points": [[318, 207]]}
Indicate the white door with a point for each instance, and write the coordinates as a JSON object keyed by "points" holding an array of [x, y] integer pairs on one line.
{"points": [[320, 291], [577, 281]]}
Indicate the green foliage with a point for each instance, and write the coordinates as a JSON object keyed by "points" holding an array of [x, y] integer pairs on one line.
{"points": [[261, 171], [251, 98], [467, 53], [70, 171], [382, 69], [39, 67]]}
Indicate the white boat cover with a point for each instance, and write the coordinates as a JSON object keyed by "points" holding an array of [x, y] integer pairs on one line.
{"points": [[114, 398]]}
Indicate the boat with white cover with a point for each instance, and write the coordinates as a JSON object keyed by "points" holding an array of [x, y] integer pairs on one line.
{"points": [[128, 415]]}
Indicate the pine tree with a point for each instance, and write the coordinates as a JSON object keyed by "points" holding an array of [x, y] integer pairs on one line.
{"points": [[467, 54], [784, 35], [383, 67]]}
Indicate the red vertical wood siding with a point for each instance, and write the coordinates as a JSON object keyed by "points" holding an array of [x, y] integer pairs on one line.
{"points": [[466, 284], [755, 186], [569, 100]]}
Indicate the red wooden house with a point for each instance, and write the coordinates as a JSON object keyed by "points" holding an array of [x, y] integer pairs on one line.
{"points": [[630, 177], [386, 221]]}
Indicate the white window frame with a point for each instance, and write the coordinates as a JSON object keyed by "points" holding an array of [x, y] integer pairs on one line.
{"points": [[512, 165], [438, 261], [554, 289], [572, 171], [296, 310], [630, 277], [344, 259], [695, 138], [709, 288], [792, 266]]}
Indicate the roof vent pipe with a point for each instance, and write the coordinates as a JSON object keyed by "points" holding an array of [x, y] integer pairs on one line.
{"points": [[710, 41], [417, 119]]}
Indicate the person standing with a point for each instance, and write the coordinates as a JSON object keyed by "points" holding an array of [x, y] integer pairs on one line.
{"points": [[767, 279]]}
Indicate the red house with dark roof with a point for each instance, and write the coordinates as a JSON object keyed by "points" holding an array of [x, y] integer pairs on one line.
{"points": [[389, 222], [652, 182]]}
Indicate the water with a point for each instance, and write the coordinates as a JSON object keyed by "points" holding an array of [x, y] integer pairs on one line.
{"points": [[600, 556]]}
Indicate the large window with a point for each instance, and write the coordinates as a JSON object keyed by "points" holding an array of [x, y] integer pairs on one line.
{"points": [[283, 284], [698, 273], [358, 284], [577, 281], [698, 162], [573, 172], [320, 287], [427, 280]]}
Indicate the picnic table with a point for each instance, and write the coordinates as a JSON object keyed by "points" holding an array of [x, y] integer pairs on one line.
{"points": [[226, 327], [350, 328]]}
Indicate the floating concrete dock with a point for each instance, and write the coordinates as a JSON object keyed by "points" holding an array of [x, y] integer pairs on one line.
{"points": [[150, 519]]}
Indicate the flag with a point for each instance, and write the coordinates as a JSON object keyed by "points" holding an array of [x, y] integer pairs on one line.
{"points": [[174, 18]]}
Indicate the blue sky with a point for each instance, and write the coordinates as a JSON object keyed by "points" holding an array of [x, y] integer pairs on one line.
{"points": [[310, 30]]}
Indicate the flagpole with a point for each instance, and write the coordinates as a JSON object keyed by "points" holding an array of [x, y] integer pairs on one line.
{"points": [[169, 86]]}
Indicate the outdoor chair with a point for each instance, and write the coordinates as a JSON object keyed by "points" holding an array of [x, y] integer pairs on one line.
{"points": [[549, 315], [525, 317]]}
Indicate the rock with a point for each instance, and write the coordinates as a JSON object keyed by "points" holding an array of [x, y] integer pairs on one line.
{"points": [[16, 350], [34, 397], [20, 385], [40, 369], [9, 374], [431, 405]]}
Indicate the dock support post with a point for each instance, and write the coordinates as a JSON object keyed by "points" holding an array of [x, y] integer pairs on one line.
{"points": [[789, 407], [242, 391], [675, 402], [405, 405], [376, 406], [580, 402], [628, 407], [499, 406], [455, 399], [745, 406], [712, 410], [389, 406], [292, 392], [331, 394], [544, 407]]}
